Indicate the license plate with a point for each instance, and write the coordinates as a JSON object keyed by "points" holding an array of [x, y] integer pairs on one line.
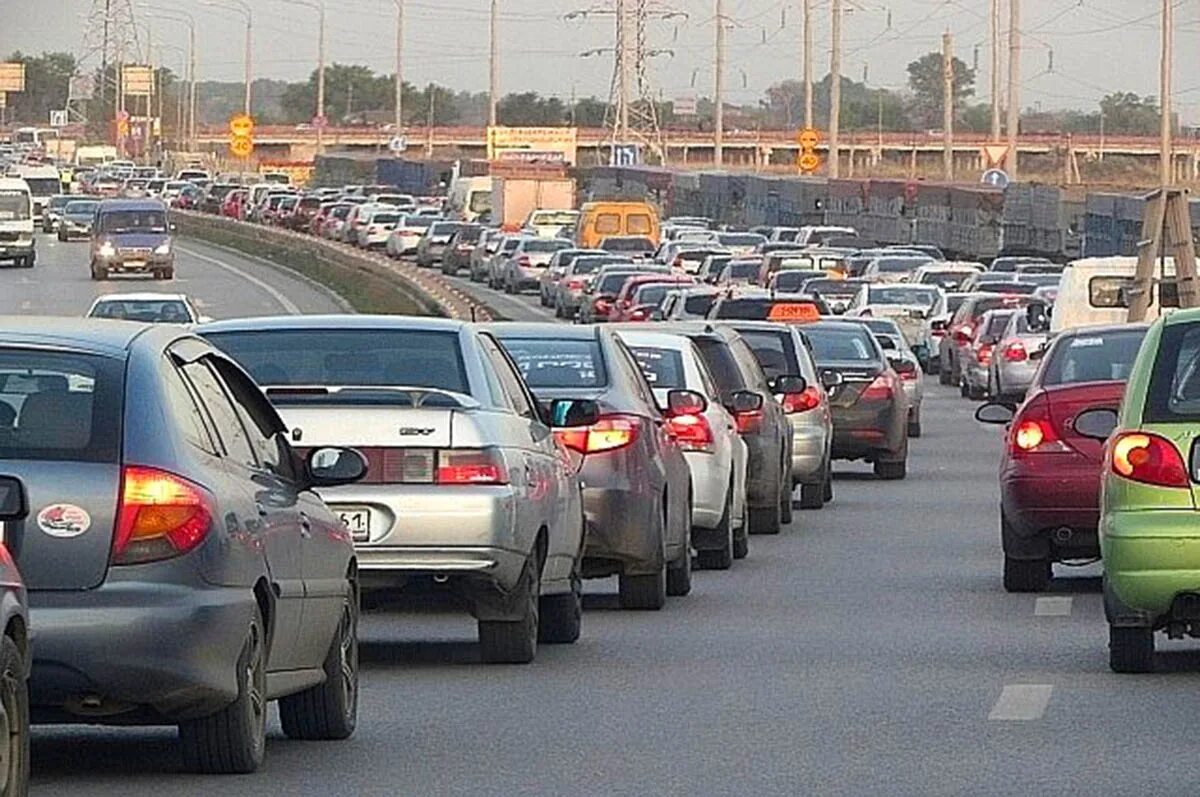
{"points": [[357, 520], [134, 264]]}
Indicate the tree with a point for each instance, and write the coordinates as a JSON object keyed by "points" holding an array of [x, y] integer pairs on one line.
{"points": [[532, 110], [590, 112], [47, 82], [926, 82], [1126, 113]]}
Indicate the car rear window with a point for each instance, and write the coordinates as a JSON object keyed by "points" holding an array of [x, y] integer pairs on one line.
{"points": [[541, 245], [348, 357], [841, 345], [651, 294], [1023, 288], [700, 304], [721, 364], [167, 311], [638, 224], [775, 351], [611, 283], [984, 305], [1101, 356], [996, 326], [1175, 381], [558, 363], [897, 265], [663, 367], [916, 296], [948, 280], [58, 406], [744, 269], [628, 245], [767, 310]]}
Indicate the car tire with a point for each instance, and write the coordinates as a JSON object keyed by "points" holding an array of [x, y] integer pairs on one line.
{"points": [[768, 520], [679, 574], [741, 543], [914, 428], [644, 592], [99, 274], [963, 390], [891, 470], [560, 618], [1130, 650], [515, 641], [27, 262], [1027, 575], [829, 483], [14, 718], [812, 496], [944, 376], [329, 711], [233, 740], [721, 558]]}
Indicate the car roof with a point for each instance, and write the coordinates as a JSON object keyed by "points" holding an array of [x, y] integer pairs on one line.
{"points": [[520, 329], [149, 203], [346, 321], [654, 338], [141, 297], [86, 334]]}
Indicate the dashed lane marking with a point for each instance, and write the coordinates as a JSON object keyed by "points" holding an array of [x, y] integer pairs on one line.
{"points": [[1059, 606], [287, 304], [1021, 703]]}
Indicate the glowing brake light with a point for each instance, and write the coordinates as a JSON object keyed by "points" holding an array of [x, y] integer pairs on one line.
{"points": [[1015, 352], [984, 353], [610, 433], [749, 422], [160, 516], [1148, 458], [1030, 434], [962, 334], [810, 399], [882, 389], [471, 466], [692, 432]]}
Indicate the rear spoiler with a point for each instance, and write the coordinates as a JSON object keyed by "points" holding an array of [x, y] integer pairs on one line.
{"points": [[415, 397]]}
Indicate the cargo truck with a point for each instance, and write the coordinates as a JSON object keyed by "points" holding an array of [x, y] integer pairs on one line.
{"points": [[516, 198]]}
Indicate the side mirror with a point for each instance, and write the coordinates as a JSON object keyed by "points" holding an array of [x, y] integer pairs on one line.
{"points": [[1097, 424], [745, 401], [686, 402], [995, 413], [790, 384], [831, 378], [1038, 315], [332, 467], [1040, 352], [13, 503], [571, 413]]}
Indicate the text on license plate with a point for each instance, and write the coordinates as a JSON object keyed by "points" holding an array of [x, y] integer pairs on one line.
{"points": [[358, 521]]}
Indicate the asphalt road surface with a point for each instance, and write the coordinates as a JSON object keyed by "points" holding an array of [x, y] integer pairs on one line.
{"points": [[869, 649]]}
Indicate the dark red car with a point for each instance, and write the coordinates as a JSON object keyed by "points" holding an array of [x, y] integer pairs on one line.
{"points": [[640, 295], [1050, 474]]}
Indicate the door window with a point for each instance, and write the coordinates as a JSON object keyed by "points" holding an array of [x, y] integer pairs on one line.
{"points": [[220, 409], [510, 380]]}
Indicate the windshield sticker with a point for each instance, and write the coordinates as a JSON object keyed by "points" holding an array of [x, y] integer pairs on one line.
{"points": [[1086, 343]]}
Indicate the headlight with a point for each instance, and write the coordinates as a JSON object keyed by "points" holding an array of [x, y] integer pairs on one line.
{"points": [[163, 249], [107, 249]]}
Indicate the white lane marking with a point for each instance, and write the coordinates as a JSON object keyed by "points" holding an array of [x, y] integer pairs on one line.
{"points": [[286, 303], [1021, 703], [1053, 607]]}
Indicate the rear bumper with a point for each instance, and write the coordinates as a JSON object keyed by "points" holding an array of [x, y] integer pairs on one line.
{"points": [[1040, 506], [151, 650], [14, 250], [619, 529], [1150, 557], [869, 432]]}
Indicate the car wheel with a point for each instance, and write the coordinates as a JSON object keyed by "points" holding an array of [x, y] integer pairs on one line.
{"points": [[643, 592], [914, 425], [14, 720], [721, 558], [812, 496], [27, 262], [100, 273], [829, 482], [741, 543], [561, 616], [944, 375], [976, 393], [679, 574], [515, 641], [1130, 649], [329, 710], [785, 503], [963, 390], [892, 470], [768, 520], [1024, 575], [233, 740]]}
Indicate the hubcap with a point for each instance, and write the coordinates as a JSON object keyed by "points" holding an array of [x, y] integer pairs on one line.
{"points": [[10, 735], [348, 656], [256, 682]]}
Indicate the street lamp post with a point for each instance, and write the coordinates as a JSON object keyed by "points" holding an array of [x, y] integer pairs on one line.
{"points": [[399, 66], [241, 7], [319, 6], [175, 15]]}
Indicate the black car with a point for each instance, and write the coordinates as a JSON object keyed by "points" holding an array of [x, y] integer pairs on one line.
{"points": [[866, 396], [761, 420]]}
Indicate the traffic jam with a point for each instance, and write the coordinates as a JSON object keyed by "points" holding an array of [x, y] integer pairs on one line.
{"points": [[197, 512]]}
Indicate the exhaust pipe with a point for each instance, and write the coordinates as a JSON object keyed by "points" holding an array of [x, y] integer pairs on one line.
{"points": [[1063, 535], [440, 579]]}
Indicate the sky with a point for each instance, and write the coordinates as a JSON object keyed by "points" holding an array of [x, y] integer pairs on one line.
{"points": [[1075, 50]]}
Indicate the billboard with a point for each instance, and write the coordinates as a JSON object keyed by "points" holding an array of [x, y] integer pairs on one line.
{"points": [[12, 77], [552, 144], [137, 81], [82, 87]]}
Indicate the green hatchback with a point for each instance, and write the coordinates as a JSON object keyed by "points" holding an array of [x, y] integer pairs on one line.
{"points": [[1150, 497]]}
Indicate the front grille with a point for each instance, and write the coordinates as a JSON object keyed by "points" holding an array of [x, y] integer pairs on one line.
{"points": [[9, 237]]}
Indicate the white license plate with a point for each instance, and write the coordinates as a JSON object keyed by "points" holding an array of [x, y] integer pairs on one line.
{"points": [[134, 264], [357, 520]]}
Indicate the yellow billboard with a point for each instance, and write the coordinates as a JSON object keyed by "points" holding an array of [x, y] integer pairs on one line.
{"points": [[532, 144]]}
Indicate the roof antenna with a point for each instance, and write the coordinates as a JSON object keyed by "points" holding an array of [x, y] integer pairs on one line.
{"points": [[472, 314]]}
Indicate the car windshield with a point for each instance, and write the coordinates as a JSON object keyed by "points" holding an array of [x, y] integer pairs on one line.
{"points": [[1093, 356], [948, 280], [14, 206], [59, 202], [443, 228], [739, 239], [42, 186], [627, 245], [130, 221], [81, 209], [746, 269], [59, 407], [611, 283], [663, 367], [699, 304], [540, 245], [150, 311], [775, 351], [898, 265], [916, 296], [850, 345], [651, 294], [558, 363], [349, 357]]}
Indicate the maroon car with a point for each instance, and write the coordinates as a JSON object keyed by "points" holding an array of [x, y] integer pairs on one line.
{"points": [[1050, 474]]}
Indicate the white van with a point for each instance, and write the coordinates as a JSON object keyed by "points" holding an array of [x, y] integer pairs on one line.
{"points": [[1095, 291], [43, 182], [470, 198], [16, 222]]}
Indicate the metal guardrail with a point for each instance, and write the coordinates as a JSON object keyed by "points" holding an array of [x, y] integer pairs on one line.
{"points": [[429, 289]]}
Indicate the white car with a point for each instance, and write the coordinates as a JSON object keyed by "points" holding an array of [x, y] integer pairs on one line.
{"points": [[715, 452], [407, 233], [377, 228], [151, 308]]}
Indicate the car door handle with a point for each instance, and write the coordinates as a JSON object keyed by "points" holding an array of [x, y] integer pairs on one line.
{"points": [[305, 525]]}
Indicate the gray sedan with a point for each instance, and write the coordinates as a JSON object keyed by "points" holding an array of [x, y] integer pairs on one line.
{"points": [[181, 570]]}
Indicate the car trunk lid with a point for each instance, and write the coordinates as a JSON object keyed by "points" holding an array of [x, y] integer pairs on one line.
{"points": [[1068, 401]]}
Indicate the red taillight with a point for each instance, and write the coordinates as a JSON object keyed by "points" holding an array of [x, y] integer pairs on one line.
{"points": [[810, 399], [882, 389], [607, 434], [576, 285], [160, 515], [749, 422], [640, 314], [1033, 431], [1015, 352], [484, 466], [962, 334], [602, 305], [1028, 435], [691, 431], [983, 353], [1148, 458], [524, 261]]}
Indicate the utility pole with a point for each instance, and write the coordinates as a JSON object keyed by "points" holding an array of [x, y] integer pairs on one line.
{"points": [[399, 66], [1166, 172], [494, 66], [624, 66], [1014, 86], [719, 90], [249, 58], [994, 31], [947, 106], [321, 120], [808, 65], [835, 89]]}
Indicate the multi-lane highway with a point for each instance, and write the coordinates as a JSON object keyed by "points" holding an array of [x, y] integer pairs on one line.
{"points": [[869, 649]]}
